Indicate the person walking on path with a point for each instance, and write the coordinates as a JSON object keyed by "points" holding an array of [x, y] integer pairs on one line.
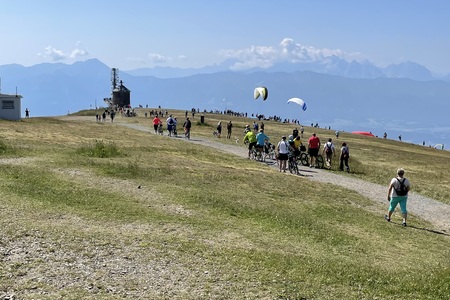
{"points": [[398, 194], [156, 121], [187, 128], [261, 139], [313, 149], [229, 128], [328, 151], [283, 153], [170, 122], [343, 158], [219, 129]]}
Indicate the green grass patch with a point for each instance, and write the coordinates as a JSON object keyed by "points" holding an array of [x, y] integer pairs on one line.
{"points": [[100, 149], [214, 224]]}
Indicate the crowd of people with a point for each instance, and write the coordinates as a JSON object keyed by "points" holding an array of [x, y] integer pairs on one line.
{"points": [[171, 125], [287, 148]]}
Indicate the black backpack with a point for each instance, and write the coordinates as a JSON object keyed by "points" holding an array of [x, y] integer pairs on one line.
{"points": [[402, 190], [328, 149]]}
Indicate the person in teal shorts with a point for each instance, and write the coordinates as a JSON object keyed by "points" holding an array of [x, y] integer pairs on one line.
{"points": [[398, 195]]}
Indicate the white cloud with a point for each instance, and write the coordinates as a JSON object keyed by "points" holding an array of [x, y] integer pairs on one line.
{"points": [[158, 58], [54, 55], [287, 51], [76, 53]]}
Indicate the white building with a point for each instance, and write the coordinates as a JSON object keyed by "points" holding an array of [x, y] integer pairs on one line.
{"points": [[10, 107]]}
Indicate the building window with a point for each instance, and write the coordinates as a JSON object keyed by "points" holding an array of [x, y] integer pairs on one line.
{"points": [[7, 104]]}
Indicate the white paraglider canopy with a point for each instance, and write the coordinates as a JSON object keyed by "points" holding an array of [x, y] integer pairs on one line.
{"points": [[261, 91], [299, 102]]}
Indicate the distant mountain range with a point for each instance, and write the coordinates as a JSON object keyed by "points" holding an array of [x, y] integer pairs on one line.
{"points": [[399, 99], [332, 65]]}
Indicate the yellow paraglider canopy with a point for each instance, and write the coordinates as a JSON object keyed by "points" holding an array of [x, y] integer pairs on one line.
{"points": [[261, 91]]}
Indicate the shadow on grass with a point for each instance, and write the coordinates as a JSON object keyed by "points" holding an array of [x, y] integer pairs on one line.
{"points": [[430, 230], [421, 228]]}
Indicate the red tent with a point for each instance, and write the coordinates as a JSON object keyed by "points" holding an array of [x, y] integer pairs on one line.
{"points": [[363, 133]]}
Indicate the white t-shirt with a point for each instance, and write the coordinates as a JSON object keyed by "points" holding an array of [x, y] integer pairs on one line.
{"points": [[396, 185], [328, 144], [283, 147]]}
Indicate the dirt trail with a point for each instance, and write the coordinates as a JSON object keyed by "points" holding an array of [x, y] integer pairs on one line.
{"points": [[435, 212]]}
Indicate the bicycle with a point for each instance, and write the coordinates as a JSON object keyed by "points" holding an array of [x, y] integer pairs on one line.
{"points": [[292, 164], [304, 159], [269, 151], [257, 155]]}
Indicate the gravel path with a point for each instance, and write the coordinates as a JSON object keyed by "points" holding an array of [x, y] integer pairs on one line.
{"points": [[437, 213]]}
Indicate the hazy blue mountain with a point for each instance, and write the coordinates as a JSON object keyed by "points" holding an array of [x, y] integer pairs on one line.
{"points": [[408, 70], [332, 65], [416, 109]]}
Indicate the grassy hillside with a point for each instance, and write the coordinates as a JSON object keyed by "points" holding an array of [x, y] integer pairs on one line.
{"points": [[100, 211]]}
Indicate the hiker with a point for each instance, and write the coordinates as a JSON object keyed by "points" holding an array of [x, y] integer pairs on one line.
{"points": [[229, 128], [219, 129], [255, 127], [398, 194], [343, 158], [170, 122], [27, 113], [283, 153], [328, 151], [313, 149], [261, 139], [112, 115], [156, 122], [187, 128]]}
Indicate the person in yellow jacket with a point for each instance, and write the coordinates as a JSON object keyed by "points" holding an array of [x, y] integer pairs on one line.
{"points": [[297, 144], [250, 137]]}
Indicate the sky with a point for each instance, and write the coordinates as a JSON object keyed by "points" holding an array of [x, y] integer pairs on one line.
{"points": [[196, 33]]}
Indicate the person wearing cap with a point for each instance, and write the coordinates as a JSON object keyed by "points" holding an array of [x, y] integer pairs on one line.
{"points": [[283, 153], [398, 185], [313, 149]]}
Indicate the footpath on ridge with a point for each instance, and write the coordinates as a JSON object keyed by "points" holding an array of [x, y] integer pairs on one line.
{"points": [[435, 212]]}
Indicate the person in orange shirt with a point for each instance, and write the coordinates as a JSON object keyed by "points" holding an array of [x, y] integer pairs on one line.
{"points": [[156, 122]]}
